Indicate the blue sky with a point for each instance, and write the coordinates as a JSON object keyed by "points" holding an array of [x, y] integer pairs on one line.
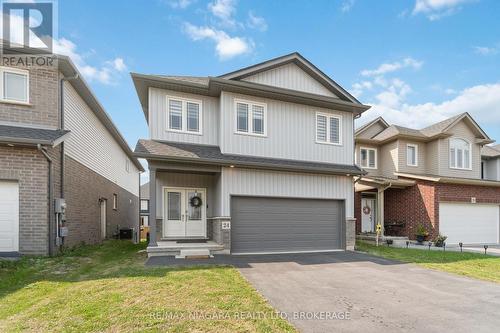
{"points": [[414, 61]]}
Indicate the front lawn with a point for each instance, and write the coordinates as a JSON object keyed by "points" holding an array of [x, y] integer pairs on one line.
{"points": [[108, 288], [473, 265]]}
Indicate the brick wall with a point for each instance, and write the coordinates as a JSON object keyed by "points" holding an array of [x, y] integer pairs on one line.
{"points": [[83, 189], [43, 98]]}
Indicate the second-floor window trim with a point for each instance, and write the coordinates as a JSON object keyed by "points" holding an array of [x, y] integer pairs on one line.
{"points": [[184, 115], [328, 129], [412, 155], [14, 85], [368, 158], [250, 118], [460, 154]]}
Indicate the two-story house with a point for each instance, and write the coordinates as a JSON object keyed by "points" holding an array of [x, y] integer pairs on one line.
{"points": [[432, 177], [67, 176], [259, 160]]}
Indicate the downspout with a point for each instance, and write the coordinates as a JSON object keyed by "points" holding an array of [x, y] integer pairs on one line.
{"points": [[51, 199], [61, 127]]}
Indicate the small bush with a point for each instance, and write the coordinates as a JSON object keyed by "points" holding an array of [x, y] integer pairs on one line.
{"points": [[439, 240]]}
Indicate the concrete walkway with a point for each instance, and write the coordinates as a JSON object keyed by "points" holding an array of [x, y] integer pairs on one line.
{"points": [[354, 292]]}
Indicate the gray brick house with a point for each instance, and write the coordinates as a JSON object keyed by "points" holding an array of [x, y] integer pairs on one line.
{"points": [[67, 176], [259, 160]]}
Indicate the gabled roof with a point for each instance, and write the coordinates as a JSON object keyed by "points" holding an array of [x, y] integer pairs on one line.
{"points": [[212, 155], [31, 136], [371, 123], [300, 61], [429, 133]]}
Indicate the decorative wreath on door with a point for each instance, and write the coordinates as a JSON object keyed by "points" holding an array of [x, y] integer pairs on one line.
{"points": [[195, 201], [367, 210]]}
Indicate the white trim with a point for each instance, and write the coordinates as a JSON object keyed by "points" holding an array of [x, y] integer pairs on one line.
{"points": [[328, 116], [416, 155], [368, 158], [456, 154], [184, 120], [249, 117], [4, 69]]}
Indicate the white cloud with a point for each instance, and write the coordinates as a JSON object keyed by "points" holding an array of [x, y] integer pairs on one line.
{"points": [[437, 9], [347, 5], [181, 4], [119, 64], [485, 50], [225, 45], [256, 22], [392, 67], [224, 10], [482, 101]]}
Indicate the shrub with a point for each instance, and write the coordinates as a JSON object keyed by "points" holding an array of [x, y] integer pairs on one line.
{"points": [[439, 240]]}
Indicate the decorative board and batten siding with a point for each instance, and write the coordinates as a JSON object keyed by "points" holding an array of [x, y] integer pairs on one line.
{"points": [[290, 76], [90, 144], [291, 132], [462, 131], [158, 118], [251, 182]]}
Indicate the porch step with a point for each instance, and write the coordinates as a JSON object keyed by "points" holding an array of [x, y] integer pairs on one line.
{"points": [[194, 254], [184, 250]]}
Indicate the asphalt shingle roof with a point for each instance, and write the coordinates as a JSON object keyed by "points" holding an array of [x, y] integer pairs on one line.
{"points": [[29, 135], [213, 154]]}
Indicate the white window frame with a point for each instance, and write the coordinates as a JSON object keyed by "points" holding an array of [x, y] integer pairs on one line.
{"points": [[115, 201], [456, 155], [249, 117], [328, 116], [368, 158], [184, 120], [408, 162], [25, 72]]}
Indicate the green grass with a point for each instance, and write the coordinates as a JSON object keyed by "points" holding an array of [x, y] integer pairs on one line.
{"points": [[108, 288], [473, 265]]}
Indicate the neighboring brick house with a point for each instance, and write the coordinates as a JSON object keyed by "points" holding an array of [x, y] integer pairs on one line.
{"points": [[57, 142], [432, 177]]}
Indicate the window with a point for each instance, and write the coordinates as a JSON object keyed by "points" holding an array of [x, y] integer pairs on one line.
{"points": [[115, 201], [144, 205], [250, 118], [460, 155], [368, 158], [411, 155], [14, 85], [184, 115], [328, 129], [127, 165]]}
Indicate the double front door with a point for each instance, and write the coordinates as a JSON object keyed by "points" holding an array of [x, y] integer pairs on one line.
{"points": [[185, 213]]}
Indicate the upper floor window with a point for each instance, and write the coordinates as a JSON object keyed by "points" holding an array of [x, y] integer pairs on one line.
{"points": [[183, 115], [14, 85], [411, 155], [368, 158], [250, 118], [328, 129], [115, 201], [144, 205], [460, 154]]}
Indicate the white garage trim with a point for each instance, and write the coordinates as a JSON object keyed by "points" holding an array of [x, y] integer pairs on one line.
{"points": [[9, 216], [469, 223]]}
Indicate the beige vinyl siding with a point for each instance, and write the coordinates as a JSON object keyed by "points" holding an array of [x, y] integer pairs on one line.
{"points": [[372, 172], [158, 118], [460, 130], [432, 157], [402, 155], [371, 131], [492, 169], [388, 157], [291, 132], [252, 182], [92, 145], [290, 76]]}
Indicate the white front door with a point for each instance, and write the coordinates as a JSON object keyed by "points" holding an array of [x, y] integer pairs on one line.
{"points": [[9, 217], [182, 217], [469, 223], [367, 215]]}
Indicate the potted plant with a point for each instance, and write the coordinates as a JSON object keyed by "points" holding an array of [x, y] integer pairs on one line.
{"points": [[439, 240], [421, 233]]}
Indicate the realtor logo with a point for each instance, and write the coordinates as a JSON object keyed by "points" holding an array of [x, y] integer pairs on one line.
{"points": [[28, 25]]}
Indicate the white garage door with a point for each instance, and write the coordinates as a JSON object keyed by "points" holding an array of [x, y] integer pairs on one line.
{"points": [[469, 223], [9, 217]]}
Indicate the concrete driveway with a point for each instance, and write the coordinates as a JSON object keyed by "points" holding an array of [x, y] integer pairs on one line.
{"points": [[353, 292]]}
